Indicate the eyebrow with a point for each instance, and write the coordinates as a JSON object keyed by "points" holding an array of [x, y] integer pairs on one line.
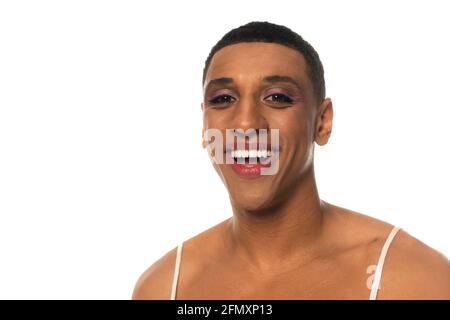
{"points": [[269, 79], [277, 78], [219, 81]]}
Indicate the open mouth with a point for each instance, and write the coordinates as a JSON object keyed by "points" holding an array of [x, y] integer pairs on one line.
{"points": [[262, 157], [251, 162]]}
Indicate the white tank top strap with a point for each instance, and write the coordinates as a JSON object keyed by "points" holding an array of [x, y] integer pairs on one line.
{"points": [[379, 267], [176, 272]]}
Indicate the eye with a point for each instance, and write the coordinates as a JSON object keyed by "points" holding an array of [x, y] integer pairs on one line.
{"points": [[279, 97], [222, 99]]}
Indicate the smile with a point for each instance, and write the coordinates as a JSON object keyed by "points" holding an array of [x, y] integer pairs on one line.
{"points": [[251, 156], [248, 163]]}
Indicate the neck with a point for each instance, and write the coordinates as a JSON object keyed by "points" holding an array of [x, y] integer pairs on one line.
{"points": [[276, 237]]}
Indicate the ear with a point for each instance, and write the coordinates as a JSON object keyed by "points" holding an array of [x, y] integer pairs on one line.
{"points": [[204, 144], [324, 122]]}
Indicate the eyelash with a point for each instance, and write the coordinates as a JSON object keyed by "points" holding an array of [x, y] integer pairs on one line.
{"points": [[286, 98], [214, 100]]}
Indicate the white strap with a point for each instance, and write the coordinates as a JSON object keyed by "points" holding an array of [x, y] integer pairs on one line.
{"points": [[379, 268], [176, 272]]}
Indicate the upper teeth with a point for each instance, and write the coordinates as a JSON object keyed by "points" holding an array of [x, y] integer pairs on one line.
{"points": [[250, 153]]}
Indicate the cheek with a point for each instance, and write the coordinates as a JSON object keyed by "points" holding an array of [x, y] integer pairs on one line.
{"points": [[297, 139], [293, 126], [297, 125], [297, 136], [216, 120]]}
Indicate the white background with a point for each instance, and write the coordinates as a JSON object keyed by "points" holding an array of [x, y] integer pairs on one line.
{"points": [[99, 101]]}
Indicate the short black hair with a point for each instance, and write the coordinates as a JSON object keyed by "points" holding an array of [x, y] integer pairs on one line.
{"points": [[263, 31]]}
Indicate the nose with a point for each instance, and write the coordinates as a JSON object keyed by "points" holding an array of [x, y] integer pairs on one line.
{"points": [[248, 114]]}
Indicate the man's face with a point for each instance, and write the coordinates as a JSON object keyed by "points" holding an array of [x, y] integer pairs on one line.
{"points": [[267, 88]]}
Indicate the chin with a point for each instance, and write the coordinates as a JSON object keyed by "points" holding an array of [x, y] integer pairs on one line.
{"points": [[252, 201]]}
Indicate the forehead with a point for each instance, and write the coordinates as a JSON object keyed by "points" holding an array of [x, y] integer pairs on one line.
{"points": [[243, 61]]}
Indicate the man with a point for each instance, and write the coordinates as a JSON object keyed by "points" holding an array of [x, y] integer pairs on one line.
{"points": [[283, 241]]}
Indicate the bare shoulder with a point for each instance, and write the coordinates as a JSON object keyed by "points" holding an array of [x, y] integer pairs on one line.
{"points": [[155, 282], [413, 270]]}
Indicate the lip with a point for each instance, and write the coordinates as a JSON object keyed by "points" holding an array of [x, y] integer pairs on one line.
{"points": [[250, 170]]}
